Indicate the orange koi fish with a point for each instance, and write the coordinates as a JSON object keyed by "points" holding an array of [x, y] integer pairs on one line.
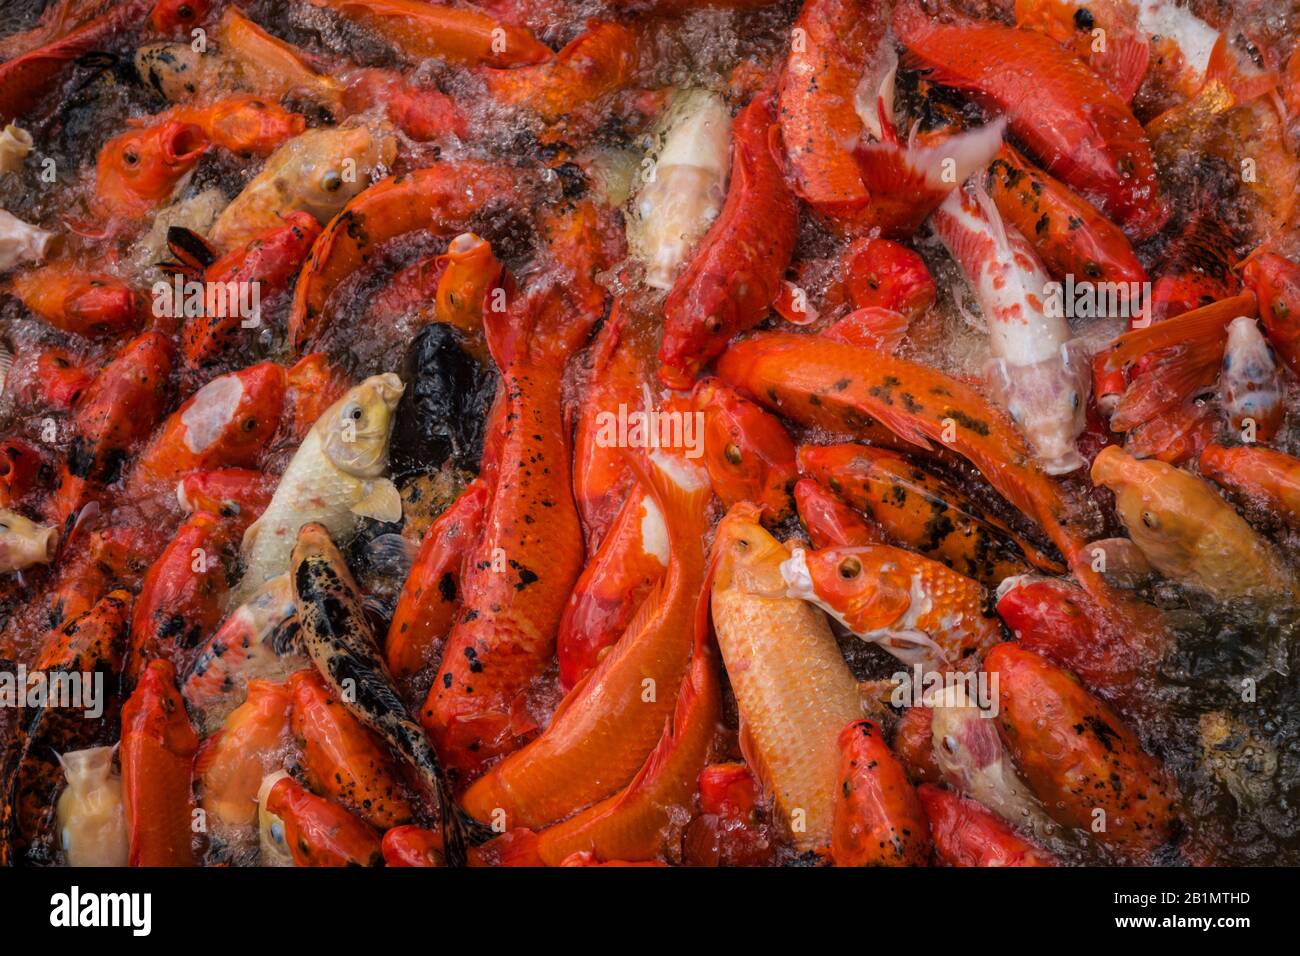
{"points": [[747, 451], [139, 170], [90, 304], [230, 765], [1268, 479], [916, 609], [245, 124], [607, 725], [830, 522], [316, 831], [158, 749], [879, 820], [1078, 756]]}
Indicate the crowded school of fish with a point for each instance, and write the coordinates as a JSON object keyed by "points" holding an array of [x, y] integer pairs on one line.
{"points": [[649, 432]]}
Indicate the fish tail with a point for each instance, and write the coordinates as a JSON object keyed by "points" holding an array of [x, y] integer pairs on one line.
{"points": [[1191, 347]]}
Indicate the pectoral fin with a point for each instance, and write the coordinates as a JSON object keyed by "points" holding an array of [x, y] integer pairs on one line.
{"points": [[382, 501]]}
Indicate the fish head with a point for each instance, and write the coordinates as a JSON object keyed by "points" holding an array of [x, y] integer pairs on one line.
{"points": [[744, 555], [325, 168], [354, 430], [748, 453], [142, 167], [24, 543], [864, 587], [172, 17], [1048, 401], [1250, 383], [1163, 514]]}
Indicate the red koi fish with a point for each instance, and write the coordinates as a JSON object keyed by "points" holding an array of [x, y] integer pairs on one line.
{"points": [[422, 113], [183, 596], [1083, 133], [736, 271], [1079, 757], [531, 552], [1121, 60], [61, 379], [139, 170], [433, 590], [1275, 280], [120, 408], [226, 423], [829, 521], [882, 274], [728, 831], [747, 452], [239, 494], [966, 834], [175, 18], [879, 820], [230, 765], [158, 749], [89, 304], [23, 469], [318, 832], [343, 760], [616, 581], [268, 263]]}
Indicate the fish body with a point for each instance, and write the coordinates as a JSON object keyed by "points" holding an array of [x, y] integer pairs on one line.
{"points": [[793, 690], [314, 831], [1079, 757], [1037, 368], [157, 751], [966, 834], [600, 736], [433, 590], [342, 758], [339, 640], [735, 272], [1186, 531], [1069, 234], [879, 820], [914, 608], [1267, 479], [336, 475]]}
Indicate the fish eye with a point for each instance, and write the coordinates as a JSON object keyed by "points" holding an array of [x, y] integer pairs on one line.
{"points": [[130, 157], [732, 453], [184, 11], [331, 182], [354, 413], [1150, 520], [249, 424], [1074, 400], [850, 568], [1092, 270]]}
